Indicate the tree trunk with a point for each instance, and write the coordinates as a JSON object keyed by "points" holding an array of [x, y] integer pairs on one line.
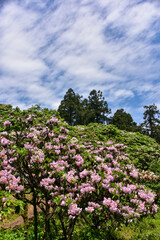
{"points": [[47, 230], [63, 227], [71, 228], [35, 215]]}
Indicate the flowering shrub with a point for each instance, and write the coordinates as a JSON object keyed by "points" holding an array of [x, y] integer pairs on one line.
{"points": [[71, 179]]}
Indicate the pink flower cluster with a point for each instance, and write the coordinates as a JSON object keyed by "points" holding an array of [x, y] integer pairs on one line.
{"points": [[113, 205], [71, 177], [128, 189], [7, 123], [148, 197], [30, 135], [95, 177], [47, 183], [84, 173], [134, 173], [74, 210], [53, 120], [5, 142], [92, 206], [37, 157], [28, 146], [86, 188], [48, 146], [29, 118], [12, 183], [79, 160]]}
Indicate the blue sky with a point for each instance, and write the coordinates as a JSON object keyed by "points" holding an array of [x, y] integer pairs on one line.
{"points": [[49, 46]]}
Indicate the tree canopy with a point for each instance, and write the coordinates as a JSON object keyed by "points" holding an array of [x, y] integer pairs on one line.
{"points": [[151, 125], [123, 120], [76, 111], [96, 108], [70, 107]]}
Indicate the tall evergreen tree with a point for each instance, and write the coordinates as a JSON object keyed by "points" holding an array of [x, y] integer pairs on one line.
{"points": [[123, 120], [96, 108], [151, 125], [70, 108]]}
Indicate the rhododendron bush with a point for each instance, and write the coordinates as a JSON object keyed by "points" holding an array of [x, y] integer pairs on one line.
{"points": [[71, 179]]}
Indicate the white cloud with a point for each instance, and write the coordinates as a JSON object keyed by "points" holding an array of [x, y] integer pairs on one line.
{"points": [[123, 93]]}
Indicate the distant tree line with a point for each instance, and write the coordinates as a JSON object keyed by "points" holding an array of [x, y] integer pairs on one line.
{"points": [[78, 111], [94, 109]]}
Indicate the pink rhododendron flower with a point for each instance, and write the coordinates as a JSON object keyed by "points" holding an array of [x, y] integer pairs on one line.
{"points": [[79, 160], [5, 141], [86, 188], [53, 120], [155, 208], [47, 183], [28, 146], [30, 135], [48, 146], [57, 152], [7, 123], [74, 210], [89, 209], [63, 203], [95, 177], [134, 173], [83, 174]]}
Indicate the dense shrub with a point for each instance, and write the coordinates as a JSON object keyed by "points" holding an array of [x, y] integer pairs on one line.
{"points": [[71, 177]]}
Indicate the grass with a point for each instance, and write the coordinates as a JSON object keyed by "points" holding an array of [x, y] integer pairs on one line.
{"points": [[146, 229]]}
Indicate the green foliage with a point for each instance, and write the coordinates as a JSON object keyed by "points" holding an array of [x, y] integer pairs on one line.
{"points": [[70, 108], [76, 111], [151, 125], [13, 114], [142, 150], [147, 228], [8, 205], [96, 108], [123, 121], [12, 234]]}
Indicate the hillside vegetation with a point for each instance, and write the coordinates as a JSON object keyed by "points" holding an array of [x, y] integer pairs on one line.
{"points": [[90, 182]]}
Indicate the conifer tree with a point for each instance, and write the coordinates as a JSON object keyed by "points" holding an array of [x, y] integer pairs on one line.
{"points": [[123, 120], [96, 108], [151, 125], [70, 108]]}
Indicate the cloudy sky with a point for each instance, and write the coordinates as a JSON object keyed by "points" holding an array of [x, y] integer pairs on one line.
{"points": [[48, 46]]}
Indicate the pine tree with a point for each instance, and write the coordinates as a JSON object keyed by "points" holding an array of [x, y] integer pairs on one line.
{"points": [[70, 108], [96, 108], [151, 125], [123, 120]]}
